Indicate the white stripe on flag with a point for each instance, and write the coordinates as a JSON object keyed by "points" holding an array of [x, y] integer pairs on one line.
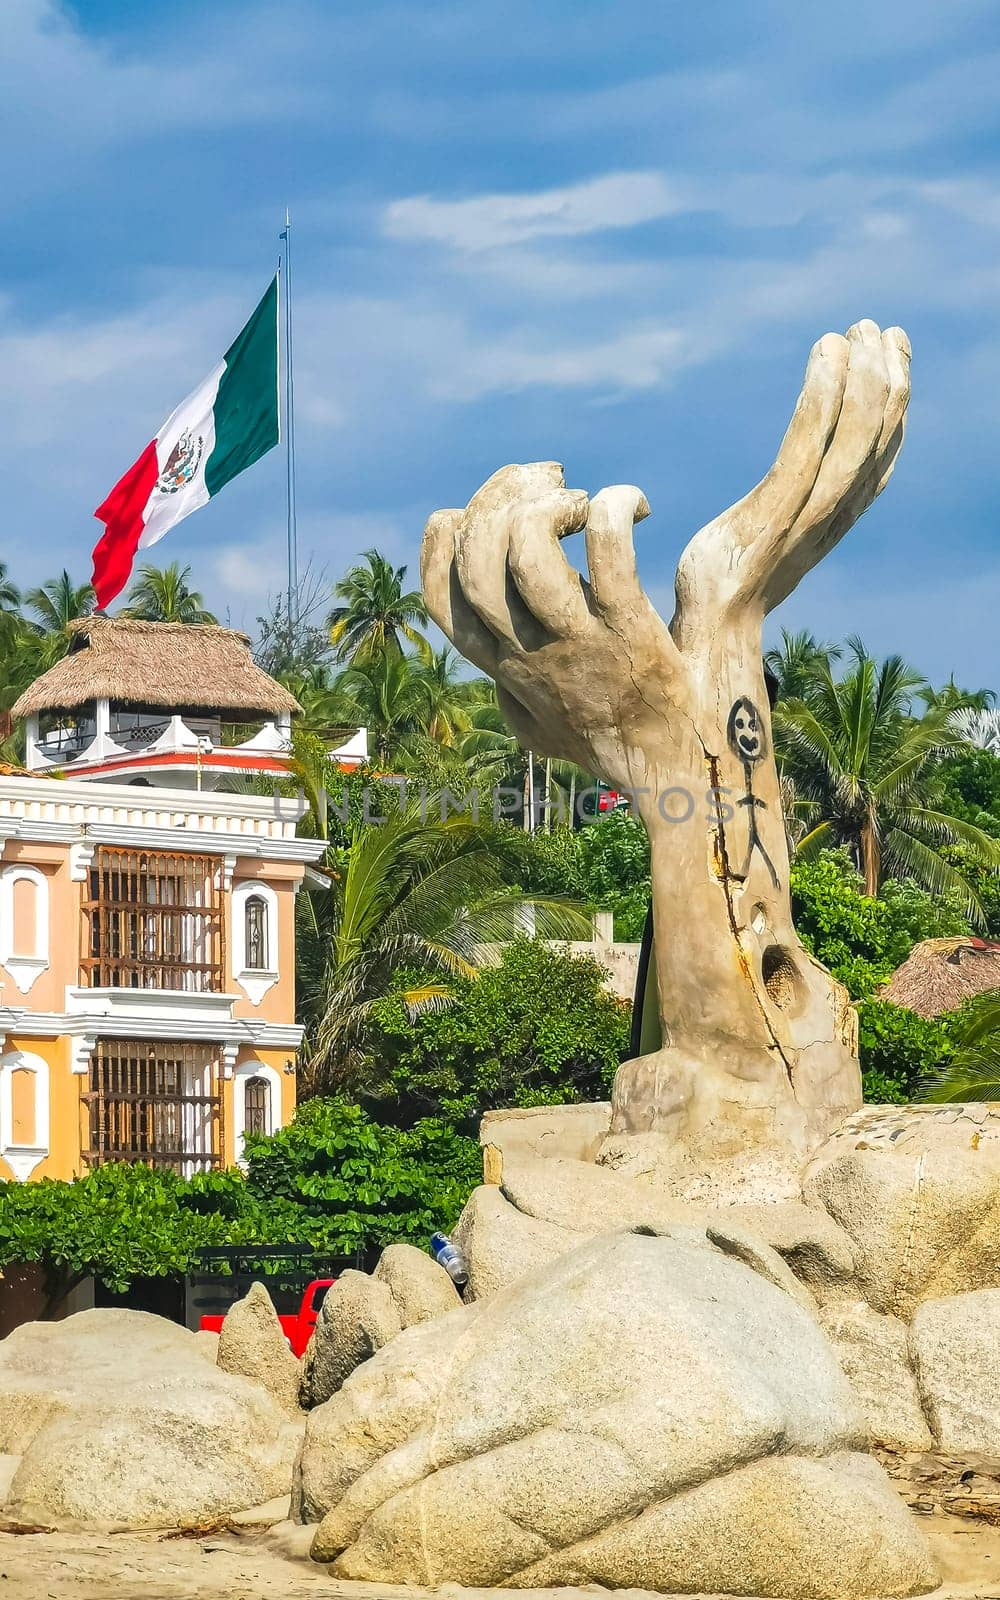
{"points": [[192, 427]]}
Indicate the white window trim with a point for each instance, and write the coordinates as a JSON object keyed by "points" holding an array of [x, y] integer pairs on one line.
{"points": [[24, 969], [253, 1069], [254, 981], [22, 1159]]}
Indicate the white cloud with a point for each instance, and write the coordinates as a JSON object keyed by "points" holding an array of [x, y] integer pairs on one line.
{"points": [[497, 221], [640, 358]]}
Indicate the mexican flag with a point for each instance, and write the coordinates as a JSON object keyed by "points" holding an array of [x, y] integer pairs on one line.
{"points": [[225, 425]]}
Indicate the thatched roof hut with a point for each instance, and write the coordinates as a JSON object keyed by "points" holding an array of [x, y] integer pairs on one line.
{"points": [[171, 665], [939, 974]]}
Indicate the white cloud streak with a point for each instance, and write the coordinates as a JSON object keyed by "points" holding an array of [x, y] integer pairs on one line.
{"points": [[499, 221]]}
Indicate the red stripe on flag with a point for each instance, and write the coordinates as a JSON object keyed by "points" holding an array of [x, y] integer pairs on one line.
{"points": [[122, 515]]}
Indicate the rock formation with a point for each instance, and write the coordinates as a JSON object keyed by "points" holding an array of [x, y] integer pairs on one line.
{"points": [[118, 1419], [252, 1343], [646, 1413]]}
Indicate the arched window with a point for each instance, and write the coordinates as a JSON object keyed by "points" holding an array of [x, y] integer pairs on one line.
{"points": [[256, 1102], [24, 923], [24, 939], [255, 914], [24, 1111], [256, 951], [256, 1105]]}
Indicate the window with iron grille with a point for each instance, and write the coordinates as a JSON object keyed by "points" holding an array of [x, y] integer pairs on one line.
{"points": [[255, 913], [256, 1106], [158, 1103], [153, 919]]}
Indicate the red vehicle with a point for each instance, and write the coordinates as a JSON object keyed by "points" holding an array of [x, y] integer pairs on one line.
{"points": [[298, 1327]]}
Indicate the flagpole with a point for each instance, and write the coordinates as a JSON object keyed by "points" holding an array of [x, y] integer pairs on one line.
{"points": [[292, 527]]}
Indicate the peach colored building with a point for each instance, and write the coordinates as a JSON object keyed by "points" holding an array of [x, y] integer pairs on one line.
{"points": [[147, 938]]}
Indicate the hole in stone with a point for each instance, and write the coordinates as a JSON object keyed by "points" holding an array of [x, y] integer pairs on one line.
{"points": [[780, 978]]}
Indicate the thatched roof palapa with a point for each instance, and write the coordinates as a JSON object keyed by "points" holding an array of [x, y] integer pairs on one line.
{"points": [[939, 974], [169, 665]]}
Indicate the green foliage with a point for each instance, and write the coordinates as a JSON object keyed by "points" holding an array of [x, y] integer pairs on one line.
{"points": [[333, 1179], [605, 863], [865, 766], [539, 1028], [863, 938], [899, 1050], [119, 1222], [970, 789], [343, 1181]]}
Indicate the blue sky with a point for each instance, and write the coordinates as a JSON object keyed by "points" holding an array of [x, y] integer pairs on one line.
{"points": [[601, 233]]}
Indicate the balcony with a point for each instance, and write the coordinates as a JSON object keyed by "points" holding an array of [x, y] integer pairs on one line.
{"points": [[154, 920]]}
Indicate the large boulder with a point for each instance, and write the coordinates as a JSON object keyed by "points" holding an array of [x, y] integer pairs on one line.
{"points": [[357, 1317], [500, 1244], [252, 1343], [874, 1352], [419, 1285], [646, 1411], [955, 1345], [917, 1188], [120, 1420], [544, 1208]]}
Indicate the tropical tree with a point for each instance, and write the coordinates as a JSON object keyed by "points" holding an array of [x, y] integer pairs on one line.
{"points": [[387, 693], [864, 770], [447, 697], [377, 614], [979, 726], [411, 903], [973, 1072], [163, 594], [58, 602], [10, 594], [796, 662]]}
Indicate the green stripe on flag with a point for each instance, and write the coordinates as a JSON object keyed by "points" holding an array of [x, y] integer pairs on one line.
{"points": [[246, 406]]}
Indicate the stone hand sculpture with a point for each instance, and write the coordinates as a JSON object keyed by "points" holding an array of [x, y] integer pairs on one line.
{"points": [[757, 1039]]}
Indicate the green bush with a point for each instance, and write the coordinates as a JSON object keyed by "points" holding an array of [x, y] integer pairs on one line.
{"points": [[333, 1179], [538, 1028], [605, 863], [899, 1050], [338, 1180], [860, 938]]}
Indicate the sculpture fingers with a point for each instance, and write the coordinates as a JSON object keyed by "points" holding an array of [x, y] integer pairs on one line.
{"points": [[443, 594], [779, 498], [897, 360], [551, 589], [614, 581], [482, 547], [853, 448]]}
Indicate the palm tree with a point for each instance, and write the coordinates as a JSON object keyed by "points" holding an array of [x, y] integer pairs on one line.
{"points": [[798, 660], [10, 594], [421, 894], [973, 1073], [447, 696], [376, 615], [387, 694], [162, 594], [58, 602], [979, 727], [863, 767]]}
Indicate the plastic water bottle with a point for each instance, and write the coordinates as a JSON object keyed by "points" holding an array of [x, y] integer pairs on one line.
{"points": [[451, 1258]]}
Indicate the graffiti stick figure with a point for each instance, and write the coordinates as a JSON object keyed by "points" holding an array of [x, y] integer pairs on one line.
{"points": [[745, 733]]}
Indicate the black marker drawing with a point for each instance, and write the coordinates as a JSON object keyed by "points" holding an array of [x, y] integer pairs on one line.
{"points": [[745, 733]]}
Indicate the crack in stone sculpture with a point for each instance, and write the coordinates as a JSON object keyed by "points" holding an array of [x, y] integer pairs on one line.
{"points": [[758, 1052]]}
